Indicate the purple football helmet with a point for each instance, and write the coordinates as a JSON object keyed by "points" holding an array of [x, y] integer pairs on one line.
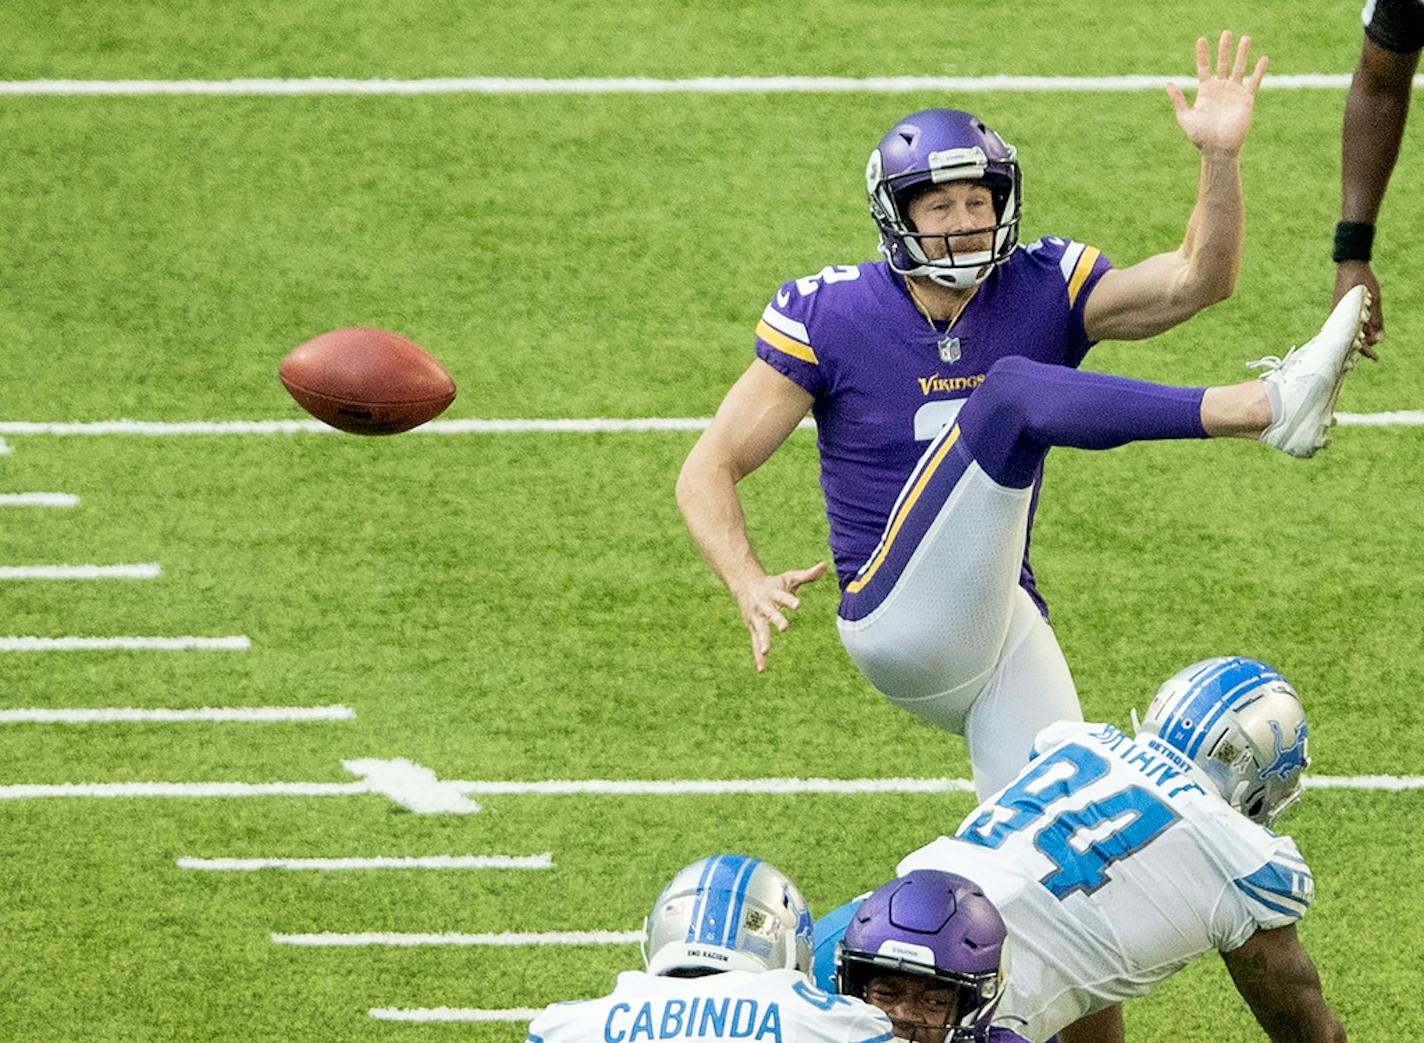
{"points": [[929, 148], [928, 925]]}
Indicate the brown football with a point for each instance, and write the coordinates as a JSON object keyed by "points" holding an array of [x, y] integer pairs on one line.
{"points": [[367, 381]]}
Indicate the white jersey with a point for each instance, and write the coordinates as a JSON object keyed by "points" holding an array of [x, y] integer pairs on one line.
{"points": [[1114, 863], [773, 1006]]}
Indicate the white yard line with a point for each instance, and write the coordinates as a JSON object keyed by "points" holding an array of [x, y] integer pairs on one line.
{"points": [[170, 429], [5, 449], [148, 644], [499, 85], [1398, 418], [417, 788], [330, 939], [250, 865], [218, 714], [38, 500], [146, 570], [710, 787], [515, 426], [183, 790]]}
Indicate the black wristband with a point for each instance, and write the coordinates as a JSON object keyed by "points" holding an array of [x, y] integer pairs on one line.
{"points": [[1353, 240]]}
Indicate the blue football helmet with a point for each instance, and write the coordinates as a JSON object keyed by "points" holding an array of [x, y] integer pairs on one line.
{"points": [[728, 913], [1242, 723], [929, 148]]}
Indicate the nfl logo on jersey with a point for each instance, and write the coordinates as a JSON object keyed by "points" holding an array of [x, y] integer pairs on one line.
{"points": [[949, 349]]}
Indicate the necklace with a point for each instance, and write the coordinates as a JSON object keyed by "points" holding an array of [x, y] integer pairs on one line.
{"points": [[924, 310]]}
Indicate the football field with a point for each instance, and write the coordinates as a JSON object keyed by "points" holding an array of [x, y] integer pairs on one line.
{"points": [[305, 736]]}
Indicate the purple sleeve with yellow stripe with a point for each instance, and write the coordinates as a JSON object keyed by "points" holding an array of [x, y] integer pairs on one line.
{"points": [[1082, 266], [783, 340]]}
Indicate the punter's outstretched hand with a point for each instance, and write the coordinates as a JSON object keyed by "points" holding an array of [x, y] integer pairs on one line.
{"points": [[1217, 121]]}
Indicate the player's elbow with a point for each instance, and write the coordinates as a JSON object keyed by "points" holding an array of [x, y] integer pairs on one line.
{"points": [[1203, 286], [704, 469], [689, 481]]}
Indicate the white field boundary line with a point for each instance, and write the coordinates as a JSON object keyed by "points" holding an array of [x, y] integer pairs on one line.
{"points": [[251, 865], [430, 1014], [236, 643], [499, 85], [38, 500], [513, 426], [146, 570], [397, 939], [216, 714]]}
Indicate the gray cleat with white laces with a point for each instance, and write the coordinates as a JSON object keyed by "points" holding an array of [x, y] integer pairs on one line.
{"points": [[1305, 384]]}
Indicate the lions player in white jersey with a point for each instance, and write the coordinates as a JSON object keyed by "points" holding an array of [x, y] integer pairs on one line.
{"points": [[728, 947], [1115, 860]]}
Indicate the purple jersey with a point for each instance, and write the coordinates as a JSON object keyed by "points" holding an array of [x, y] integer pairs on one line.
{"points": [[885, 381]]}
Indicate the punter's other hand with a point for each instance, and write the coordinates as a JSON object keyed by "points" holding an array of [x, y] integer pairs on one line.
{"points": [[762, 600]]}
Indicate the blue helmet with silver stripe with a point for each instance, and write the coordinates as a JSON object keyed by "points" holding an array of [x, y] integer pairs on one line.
{"points": [[1242, 723], [728, 913]]}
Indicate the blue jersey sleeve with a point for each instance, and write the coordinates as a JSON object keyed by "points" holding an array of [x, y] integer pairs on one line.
{"points": [[784, 340], [829, 931], [1278, 892]]}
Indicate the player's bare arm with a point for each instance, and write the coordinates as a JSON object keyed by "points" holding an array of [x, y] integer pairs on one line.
{"points": [[1169, 288], [756, 416], [1375, 112], [1275, 975], [1103, 1026]]}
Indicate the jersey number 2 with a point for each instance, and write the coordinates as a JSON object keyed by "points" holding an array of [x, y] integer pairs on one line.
{"points": [[1081, 842]]}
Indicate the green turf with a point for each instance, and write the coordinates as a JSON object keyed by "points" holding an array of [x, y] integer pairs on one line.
{"points": [[174, 249], [529, 606], [212, 39]]}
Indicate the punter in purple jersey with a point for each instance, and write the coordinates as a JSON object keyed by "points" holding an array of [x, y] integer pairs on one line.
{"points": [[940, 377]]}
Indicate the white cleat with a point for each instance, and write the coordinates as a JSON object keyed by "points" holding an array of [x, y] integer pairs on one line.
{"points": [[1308, 379]]}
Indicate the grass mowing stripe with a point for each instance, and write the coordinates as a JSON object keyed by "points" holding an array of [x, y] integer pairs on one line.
{"points": [[454, 1014], [217, 714], [330, 939], [146, 570], [249, 865], [646, 85], [139, 644]]}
